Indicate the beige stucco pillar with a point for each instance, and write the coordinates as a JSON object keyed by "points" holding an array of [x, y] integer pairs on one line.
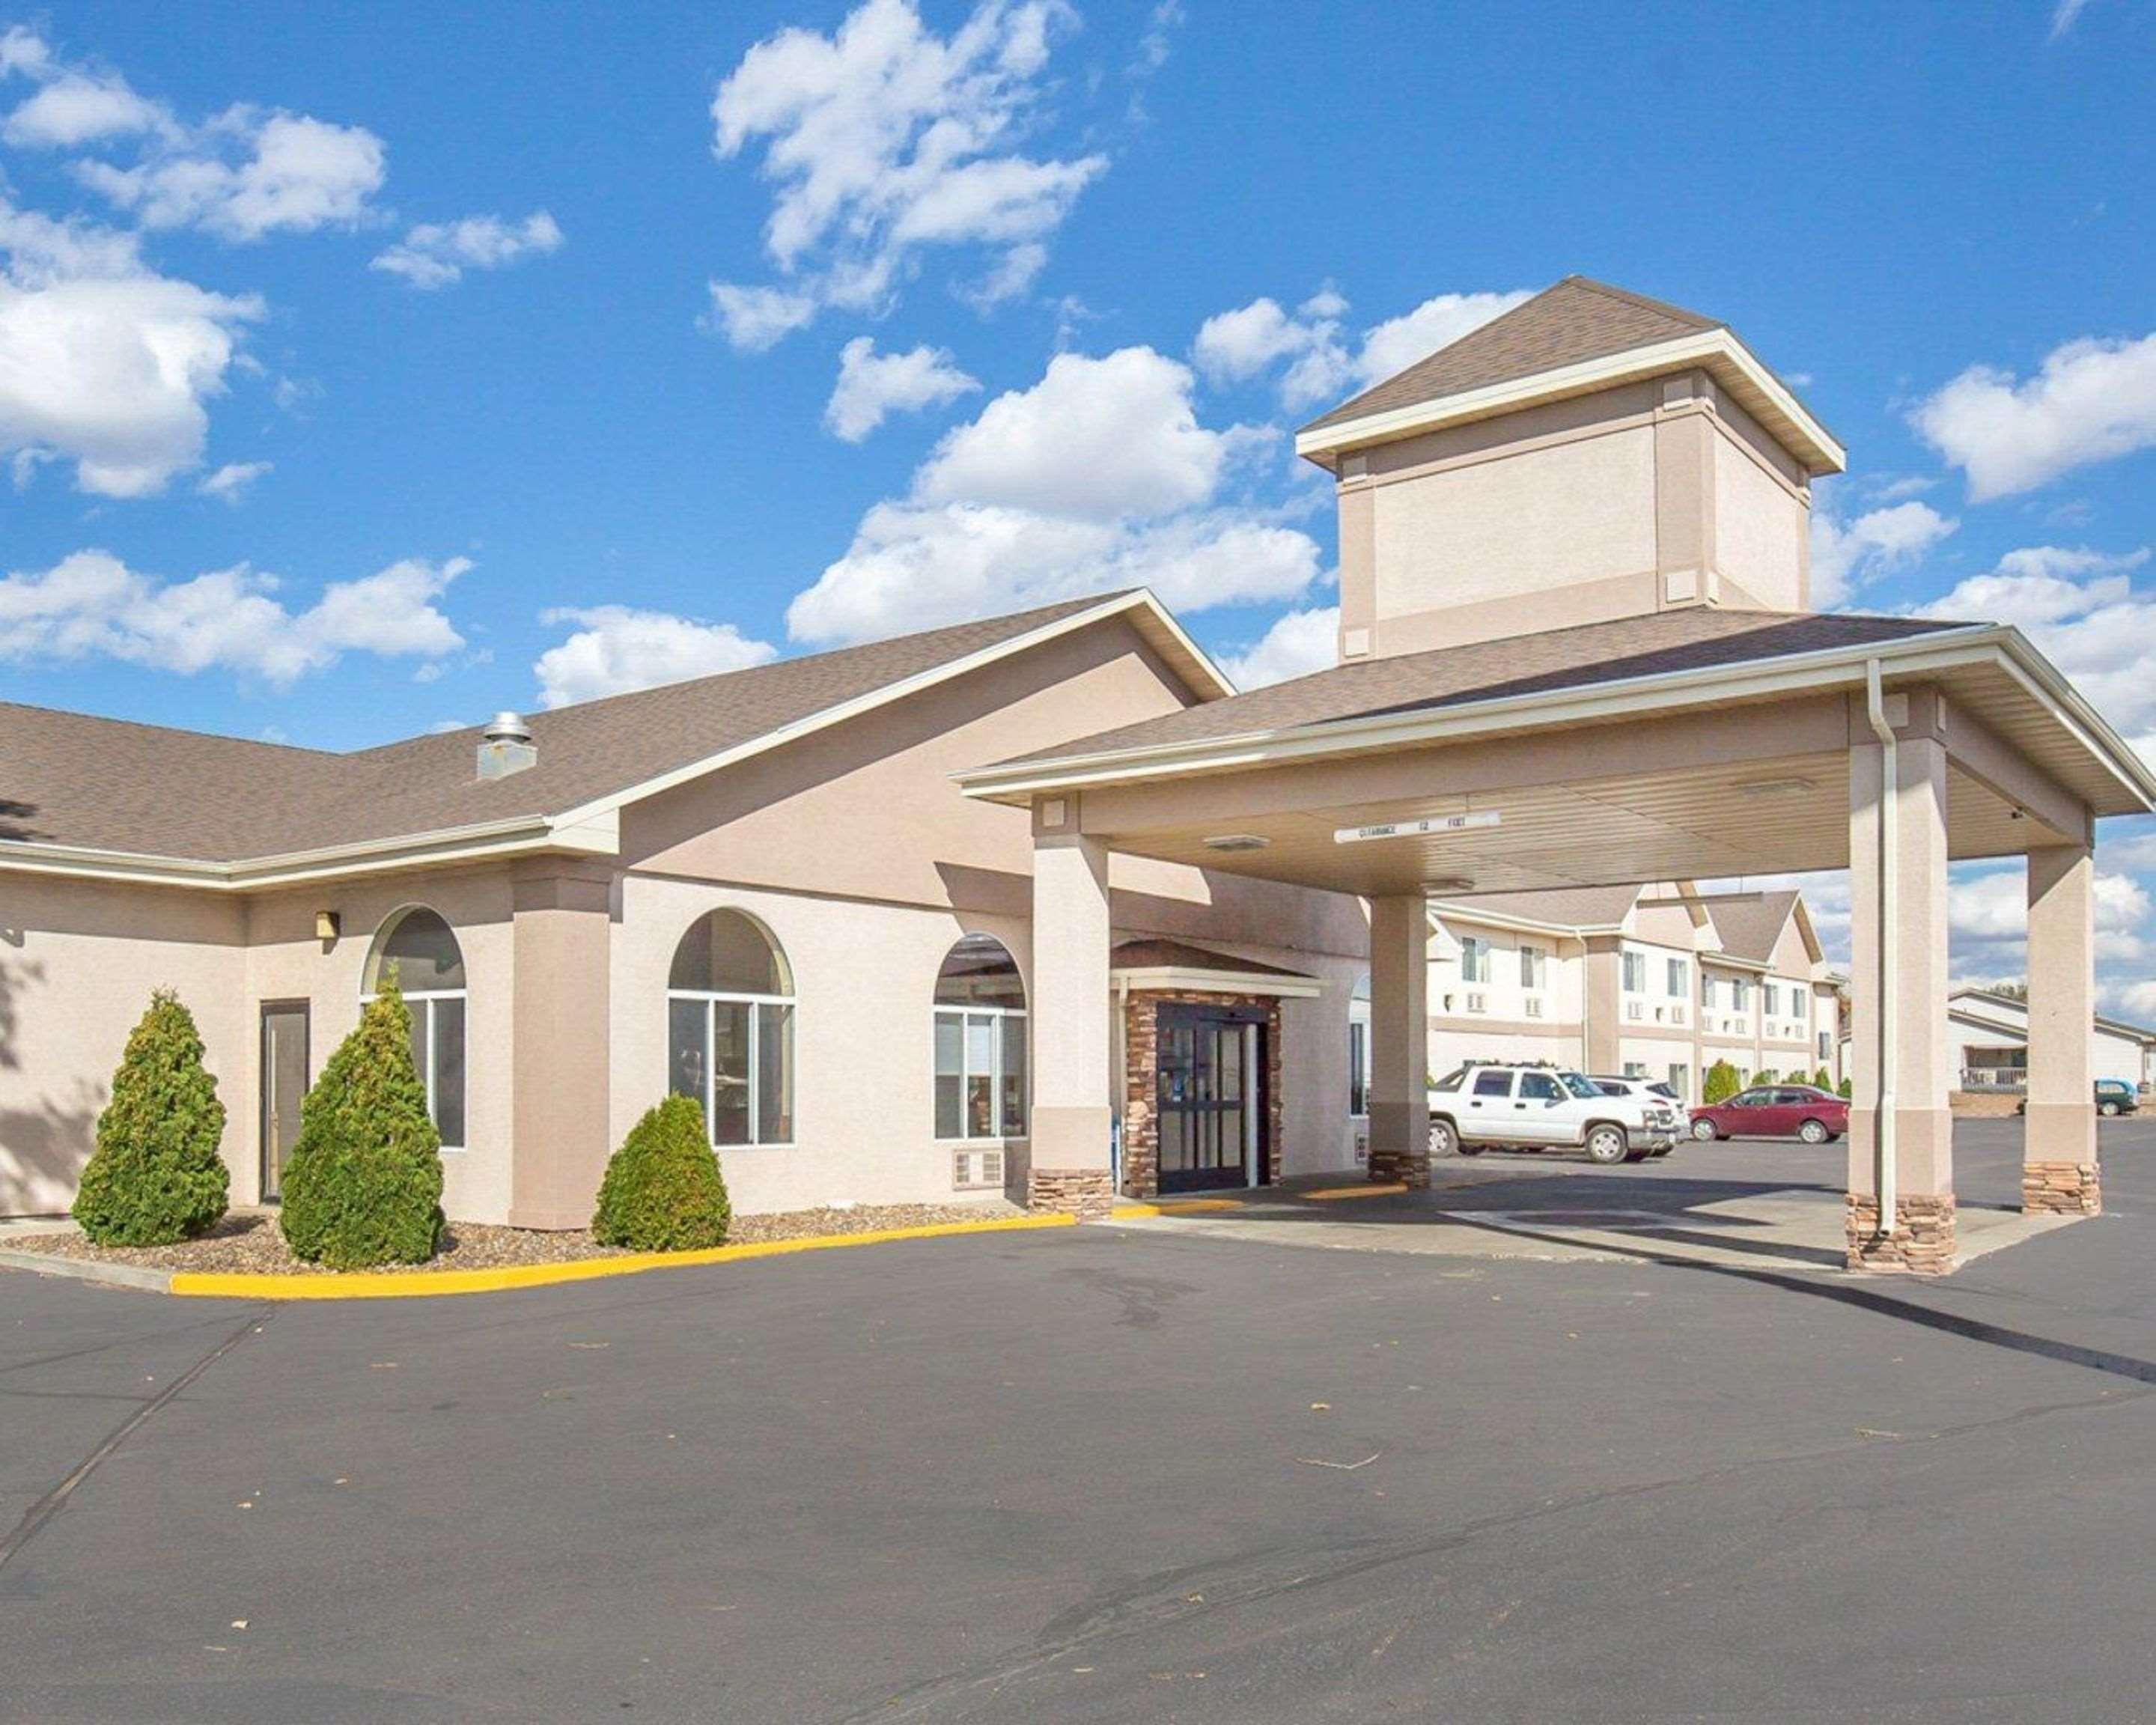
{"points": [[1603, 982], [1399, 1040], [2058, 1156], [1067, 1167], [559, 1121], [1915, 987]]}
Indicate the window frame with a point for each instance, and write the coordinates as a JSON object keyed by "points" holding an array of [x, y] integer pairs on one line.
{"points": [[419, 1003], [997, 1016], [1475, 959], [710, 999]]}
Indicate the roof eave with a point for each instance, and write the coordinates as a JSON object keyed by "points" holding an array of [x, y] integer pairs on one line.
{"points": [[1826, 667], [1758, 390]]}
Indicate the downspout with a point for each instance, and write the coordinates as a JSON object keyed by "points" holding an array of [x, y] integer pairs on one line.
{"points": [[1889, 939]]}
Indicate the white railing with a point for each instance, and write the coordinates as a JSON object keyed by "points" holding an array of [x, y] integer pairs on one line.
{"points": [[1994, 1078]]}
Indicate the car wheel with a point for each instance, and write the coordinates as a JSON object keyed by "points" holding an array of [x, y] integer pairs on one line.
{"points": [[1445, 1140], [1814, 1131], [2107, 1109], [1704, 1130], [1606, 1146]]}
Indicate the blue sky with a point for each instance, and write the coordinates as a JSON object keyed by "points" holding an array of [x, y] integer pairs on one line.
{"points": [[366, 368]]}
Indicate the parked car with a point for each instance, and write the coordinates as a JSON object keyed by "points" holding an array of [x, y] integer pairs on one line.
{"points": [[1487, 1105], [1774, 1111], [2113, 1096], [1646, 1089]]}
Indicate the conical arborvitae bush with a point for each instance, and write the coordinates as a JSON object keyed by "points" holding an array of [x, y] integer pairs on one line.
{"points": [[662, 1191], [1720, 1083], [364, 1183], [155, 1176]]}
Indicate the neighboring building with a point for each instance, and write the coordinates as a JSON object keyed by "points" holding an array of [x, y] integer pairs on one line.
{"points": [[1987, 1043], [760, 888], [1653, 982]]}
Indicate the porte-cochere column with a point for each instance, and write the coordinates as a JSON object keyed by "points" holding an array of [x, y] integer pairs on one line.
{"points": [[1399, 1040], [1898, 979], [2058, 1154], [1068, 1167]]}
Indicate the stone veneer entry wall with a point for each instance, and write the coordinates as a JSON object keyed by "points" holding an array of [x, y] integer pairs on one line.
{"points": [[1142, 1080]]}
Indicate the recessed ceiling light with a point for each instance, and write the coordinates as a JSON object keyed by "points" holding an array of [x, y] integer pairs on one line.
{"points": [[1449, 883], [1237, 841]]}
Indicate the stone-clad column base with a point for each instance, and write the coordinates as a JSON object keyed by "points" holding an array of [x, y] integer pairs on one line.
{"points": [[2061, 1188], [1400, 1145], [1086, 1193], [1922, 1244]]}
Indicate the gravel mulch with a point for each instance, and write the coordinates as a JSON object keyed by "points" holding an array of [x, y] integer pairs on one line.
{"points": [[249, 1241]]}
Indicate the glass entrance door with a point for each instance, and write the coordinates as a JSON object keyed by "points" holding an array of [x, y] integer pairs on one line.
{"points": [[1211, 1109], [283, 1084]]}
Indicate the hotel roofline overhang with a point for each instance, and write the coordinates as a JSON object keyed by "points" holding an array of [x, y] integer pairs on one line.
{"points": [[592, 828], [1838, 667], [1718, 351]]}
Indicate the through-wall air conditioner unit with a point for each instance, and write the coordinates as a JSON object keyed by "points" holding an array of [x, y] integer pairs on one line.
{"points": [[1534, 1007], [1477, 1003], [977, 1167]]}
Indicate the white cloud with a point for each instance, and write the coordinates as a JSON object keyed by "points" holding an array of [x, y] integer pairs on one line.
{"points": [[615, 650], [1233, 346], [1099, 477], [1299, 643], [103, 362], [434, 254], [1990, 908], [883, 141], [2064, 16], [92, 605], [231, 481], [2092, 401], [23, 50], [1096, 438], [245, 175], [1845, 555], [873, 386], [78, 108]]}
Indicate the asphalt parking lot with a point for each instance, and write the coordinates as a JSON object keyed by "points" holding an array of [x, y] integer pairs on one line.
{"points": [[1107, 1474]]}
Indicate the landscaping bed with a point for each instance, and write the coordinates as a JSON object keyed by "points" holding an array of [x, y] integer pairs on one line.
{"points": [[249, 1242]]}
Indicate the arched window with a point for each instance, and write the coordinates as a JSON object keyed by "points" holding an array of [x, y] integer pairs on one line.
{"points": [[1358, 1046], [430, 966], [980, 1043], [729, 1029]]}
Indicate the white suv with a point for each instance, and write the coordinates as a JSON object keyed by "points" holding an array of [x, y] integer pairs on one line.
{"points": [[1487, 1105]]}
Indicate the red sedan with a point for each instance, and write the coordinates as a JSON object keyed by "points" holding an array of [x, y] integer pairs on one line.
{"points": [[1774, 1111]]}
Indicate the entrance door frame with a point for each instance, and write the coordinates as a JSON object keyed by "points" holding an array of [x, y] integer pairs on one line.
{"points": [[269, 1188], [1255, 1026]]}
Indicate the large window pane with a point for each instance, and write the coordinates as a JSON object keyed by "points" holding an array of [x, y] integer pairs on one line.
{"points": [[950, 1074], [729, 1072], [418, 1008], [774, 1073], [685, 1049], [1014, 1120], [980, 1075], [448, 1021]]}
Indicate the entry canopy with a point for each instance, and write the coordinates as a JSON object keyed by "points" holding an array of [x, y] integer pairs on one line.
{"points": [[1689, 743]]}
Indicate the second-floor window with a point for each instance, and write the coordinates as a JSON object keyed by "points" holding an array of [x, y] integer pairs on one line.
{"points": [[1635, 972], [1774, 999], [1530, 967], [1474, 959], [1680, 979], [1740, 994]]}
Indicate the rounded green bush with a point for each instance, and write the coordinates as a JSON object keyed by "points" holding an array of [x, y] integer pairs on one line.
{"points": [[1821, 1081], [1720, 1083], [663, 1190], [155, 1176], [364, 1183]]}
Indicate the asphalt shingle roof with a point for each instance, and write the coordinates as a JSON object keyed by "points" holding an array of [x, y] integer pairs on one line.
{"points": [[1576, 658], [77, 779]]}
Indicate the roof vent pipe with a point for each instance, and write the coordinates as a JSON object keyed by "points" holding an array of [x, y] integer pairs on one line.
{"points": [[506, 746]]}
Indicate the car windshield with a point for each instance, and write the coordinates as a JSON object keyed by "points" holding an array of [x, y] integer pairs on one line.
{"points": [[1579, 1085]]}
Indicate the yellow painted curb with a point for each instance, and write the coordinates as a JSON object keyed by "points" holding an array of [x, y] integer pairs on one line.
{"points": [[426, 1284], [1177, 1207], [1333, 1194]]}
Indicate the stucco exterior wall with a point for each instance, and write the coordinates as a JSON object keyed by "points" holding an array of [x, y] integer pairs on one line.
{"points": [[77, 961]]}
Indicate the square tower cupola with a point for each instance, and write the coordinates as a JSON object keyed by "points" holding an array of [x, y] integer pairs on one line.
{"points": [[1590, 455]]}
